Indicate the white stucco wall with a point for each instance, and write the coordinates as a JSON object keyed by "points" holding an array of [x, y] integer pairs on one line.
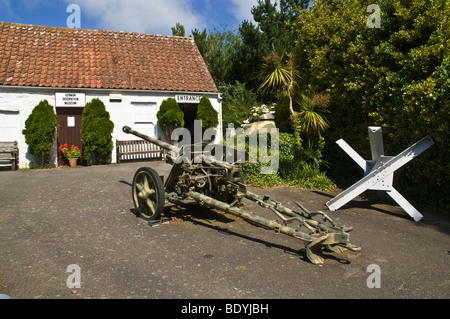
{"points": [[133, 108]]}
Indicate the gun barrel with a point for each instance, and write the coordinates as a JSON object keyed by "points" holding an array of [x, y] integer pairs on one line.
{"points": [[166, 146]]}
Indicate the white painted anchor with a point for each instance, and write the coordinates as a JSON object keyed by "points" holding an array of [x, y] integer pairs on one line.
{"points": [[379, 172]]}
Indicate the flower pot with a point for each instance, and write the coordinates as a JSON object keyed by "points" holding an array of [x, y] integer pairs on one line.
{"points": [[73, 162]]}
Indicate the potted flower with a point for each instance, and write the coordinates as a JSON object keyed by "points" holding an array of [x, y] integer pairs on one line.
{"points": [[72, 154]]}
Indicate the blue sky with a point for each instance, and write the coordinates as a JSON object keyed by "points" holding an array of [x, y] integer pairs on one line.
{"points": [[147, 16]]}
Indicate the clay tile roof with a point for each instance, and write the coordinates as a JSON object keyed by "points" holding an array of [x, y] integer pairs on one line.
{"points": [[42, 56]]}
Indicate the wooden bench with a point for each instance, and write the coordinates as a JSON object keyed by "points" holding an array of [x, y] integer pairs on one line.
{"points": [[138, 150], [9, 154]]}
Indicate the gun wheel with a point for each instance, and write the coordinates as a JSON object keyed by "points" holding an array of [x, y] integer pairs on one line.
{"points": [[148, 193]]}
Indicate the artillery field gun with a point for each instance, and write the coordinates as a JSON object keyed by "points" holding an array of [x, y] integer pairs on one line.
{"points": [[219, 185]]}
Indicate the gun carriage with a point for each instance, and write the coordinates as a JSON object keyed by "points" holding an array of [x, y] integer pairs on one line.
{"points": [[218, 184]]}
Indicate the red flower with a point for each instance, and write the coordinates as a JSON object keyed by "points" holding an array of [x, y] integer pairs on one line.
{"points": [[72, 153]]}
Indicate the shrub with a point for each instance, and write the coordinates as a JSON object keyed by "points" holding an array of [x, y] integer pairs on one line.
{"points": [[296, 170], [96, 133], [170, 117], [395, 77], [207, 114], [40, 132], [292, 169], [252, 176], [283, 116]]}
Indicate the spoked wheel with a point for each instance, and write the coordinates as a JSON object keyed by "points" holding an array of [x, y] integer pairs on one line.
{"points": [[148, 193]]}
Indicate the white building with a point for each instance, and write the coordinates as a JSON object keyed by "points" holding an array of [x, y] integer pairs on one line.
{"points": [[131, 73]]}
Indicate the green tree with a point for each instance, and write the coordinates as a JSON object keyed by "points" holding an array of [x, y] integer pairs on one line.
{"points": [[237, 102], [39, 132], [178, 30], [96, 133], [277, 23], [201, 40], [170, 117], [280, 76], [217, 50], [274, 32], [247, 58], [395, 76], [207, 114]]}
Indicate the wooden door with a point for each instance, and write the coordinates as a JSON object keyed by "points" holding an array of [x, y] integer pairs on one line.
{"points": [[69, 131], [190, 115]]}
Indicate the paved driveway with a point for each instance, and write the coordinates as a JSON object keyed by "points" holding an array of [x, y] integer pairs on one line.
{"points": [[51, 219]]}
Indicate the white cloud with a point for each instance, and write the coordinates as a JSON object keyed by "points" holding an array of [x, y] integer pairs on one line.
{"points": [[149, 16], [241, 9]]}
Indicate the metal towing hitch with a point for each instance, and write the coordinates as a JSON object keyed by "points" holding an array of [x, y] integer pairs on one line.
{"points": [[219, 185]]}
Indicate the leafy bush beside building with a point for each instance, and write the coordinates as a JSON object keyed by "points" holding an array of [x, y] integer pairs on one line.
{"points": [[96, 133], [170, 117], [40, 132], [207, 114]]}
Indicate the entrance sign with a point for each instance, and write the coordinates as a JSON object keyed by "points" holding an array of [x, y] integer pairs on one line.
{"points": [[195, 99], [379, 172], [66, 99]]}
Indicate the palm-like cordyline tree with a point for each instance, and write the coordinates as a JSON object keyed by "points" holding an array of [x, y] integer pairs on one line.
{"points": [[310, 115], [279, 76]]}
